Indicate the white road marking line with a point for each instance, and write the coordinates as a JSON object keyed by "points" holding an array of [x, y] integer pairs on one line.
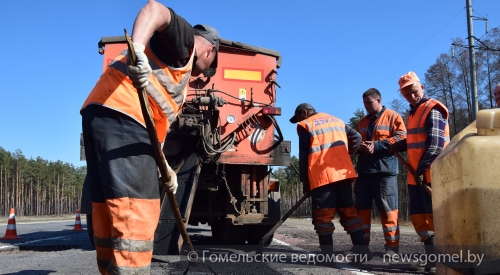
{"points": [[351, 269], [34, 241], [17, 223], [342, 266], [280, 242]]}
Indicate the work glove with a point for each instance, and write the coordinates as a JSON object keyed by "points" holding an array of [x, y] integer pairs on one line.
{"points": [[419, 179], [139, 74], [172, 184]]}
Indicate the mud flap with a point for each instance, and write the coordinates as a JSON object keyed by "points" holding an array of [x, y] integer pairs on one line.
{"points": [[167, 237]]}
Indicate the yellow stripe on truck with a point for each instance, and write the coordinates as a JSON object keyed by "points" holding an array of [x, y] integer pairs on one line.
{"points": [[242, 75]]}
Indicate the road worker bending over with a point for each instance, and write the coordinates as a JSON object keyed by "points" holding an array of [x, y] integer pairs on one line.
{"points": [[377, 169], [121, 168], [326, 170], [428, 134]]}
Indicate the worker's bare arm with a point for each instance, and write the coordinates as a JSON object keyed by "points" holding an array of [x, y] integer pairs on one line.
{"points": [[152, 17]]}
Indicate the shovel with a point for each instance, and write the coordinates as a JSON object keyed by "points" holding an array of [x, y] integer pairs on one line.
{"points": [[158, 153], [269, 235], [426, 187]]}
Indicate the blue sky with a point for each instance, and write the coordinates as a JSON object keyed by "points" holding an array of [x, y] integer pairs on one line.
{"points": [[332, 52]]}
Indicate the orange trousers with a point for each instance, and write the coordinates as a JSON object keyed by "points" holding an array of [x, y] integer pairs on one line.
{"points": [[333, 197], [123, 179]]}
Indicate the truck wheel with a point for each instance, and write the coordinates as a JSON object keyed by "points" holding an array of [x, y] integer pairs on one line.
{"points": [[86, 208], [90, 229]]}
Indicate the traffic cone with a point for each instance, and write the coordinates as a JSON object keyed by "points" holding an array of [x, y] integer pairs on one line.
{"points": [[11, 232], [78, 223]]}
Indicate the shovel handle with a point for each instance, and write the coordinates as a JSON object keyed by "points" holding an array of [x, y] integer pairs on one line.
{"points": [[158, 153], [283, 219], [426, 187]]}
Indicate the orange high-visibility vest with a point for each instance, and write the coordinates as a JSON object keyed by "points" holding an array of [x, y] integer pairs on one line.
{"points": [[166, 91], [416, 136], [328, 159], [384, 127]]}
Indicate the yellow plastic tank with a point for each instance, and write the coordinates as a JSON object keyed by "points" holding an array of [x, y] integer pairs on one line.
{"points": [[466, 190]]}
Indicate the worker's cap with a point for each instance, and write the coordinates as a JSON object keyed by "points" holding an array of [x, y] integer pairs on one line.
{"points": [[302, 106], [408, 79], [212, 36]]}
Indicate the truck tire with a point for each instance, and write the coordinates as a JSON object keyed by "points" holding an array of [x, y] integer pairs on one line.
{"points": [[86, 208], [90, 229], [167, 235]]}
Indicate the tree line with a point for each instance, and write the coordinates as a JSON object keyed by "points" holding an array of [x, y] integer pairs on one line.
{"points": [[447, 80], [36, 187]]}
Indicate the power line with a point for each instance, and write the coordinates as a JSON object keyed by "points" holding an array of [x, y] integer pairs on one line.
{"points": [[482, 47], [422, 46], [486, 33], [479, 14]]}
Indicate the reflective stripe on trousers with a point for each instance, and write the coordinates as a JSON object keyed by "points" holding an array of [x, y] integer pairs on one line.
{"points": [[381, 188], [124, 239], [421, 212], [333, 197], [123, 180]]}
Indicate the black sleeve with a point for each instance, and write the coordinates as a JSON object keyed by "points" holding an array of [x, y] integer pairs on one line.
{"points": [[173, 45], [304, 146], [353, 139]]}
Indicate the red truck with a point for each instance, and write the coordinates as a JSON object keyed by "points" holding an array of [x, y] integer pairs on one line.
{"points": [[227, 138]]}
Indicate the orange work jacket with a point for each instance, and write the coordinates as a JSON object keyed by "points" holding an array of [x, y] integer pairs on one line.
{"points": [[166, 91], [416, 136], [388, 126], [328, 159]]}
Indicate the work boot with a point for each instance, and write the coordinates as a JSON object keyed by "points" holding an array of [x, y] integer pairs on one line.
{"points": [[429, 246], [359, 247], [429, 267], [391, 250], [326, 244], [391, 254]]}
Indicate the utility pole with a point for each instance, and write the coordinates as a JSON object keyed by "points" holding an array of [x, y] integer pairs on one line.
{"points": [[472, 60]]}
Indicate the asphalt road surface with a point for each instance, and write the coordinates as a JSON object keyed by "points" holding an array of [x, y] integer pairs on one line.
{"points": [[50, 246]]}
